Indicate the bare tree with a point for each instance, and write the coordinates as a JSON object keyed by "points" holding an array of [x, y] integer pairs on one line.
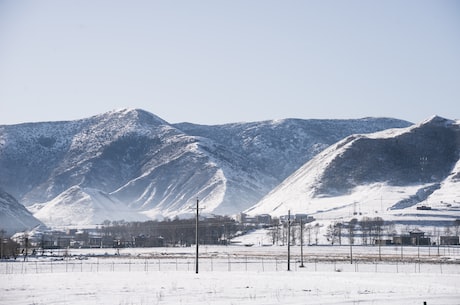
{"points": [[338, 229], [457, 227], [331, 233], [308, 231], [316, 231], [352, 230], [365, 230]]}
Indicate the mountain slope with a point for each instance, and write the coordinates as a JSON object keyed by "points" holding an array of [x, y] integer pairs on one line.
{"points": [[279, 147], [79, 206], [157, 169], [386, 173], [14, 217]]}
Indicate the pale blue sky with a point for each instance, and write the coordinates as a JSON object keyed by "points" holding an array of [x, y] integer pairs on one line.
{"points": [[213, 62]]}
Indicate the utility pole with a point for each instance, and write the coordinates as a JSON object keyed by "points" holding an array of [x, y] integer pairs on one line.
{"points": [[289, 240], [301, 244], [351, 252], [2, 232], [196, 233]]}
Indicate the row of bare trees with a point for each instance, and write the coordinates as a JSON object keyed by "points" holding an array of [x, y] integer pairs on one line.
{"points": [[217, 230], [367, 231]]}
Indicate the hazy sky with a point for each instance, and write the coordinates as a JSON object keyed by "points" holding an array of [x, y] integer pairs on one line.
{"points": [[213, 62]]}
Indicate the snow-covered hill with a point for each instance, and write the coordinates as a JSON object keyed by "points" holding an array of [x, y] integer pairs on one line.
{"points": [[386, 174], [80, 207], [14, 217], [154, 168]]}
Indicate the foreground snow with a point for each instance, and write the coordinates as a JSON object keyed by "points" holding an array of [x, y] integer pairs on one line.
{"points": [[298, 287], [231, 275]]}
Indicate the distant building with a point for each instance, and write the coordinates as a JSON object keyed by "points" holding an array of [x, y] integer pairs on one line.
{"points": [[241, 217], [264, 219], [148, 241], [423, 207], [383, 242], [415, 238], [450, 240]]}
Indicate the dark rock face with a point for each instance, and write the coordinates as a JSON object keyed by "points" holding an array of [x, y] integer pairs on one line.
{"points": [[426, 154]]}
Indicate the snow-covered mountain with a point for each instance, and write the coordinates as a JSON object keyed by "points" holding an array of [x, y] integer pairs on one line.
{"points": [[79, 206], [14, 217], [130, 162], [387, 174]]}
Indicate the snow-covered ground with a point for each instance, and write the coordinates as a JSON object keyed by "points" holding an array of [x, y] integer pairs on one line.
{"points": [[232, 275], [222, 287]]}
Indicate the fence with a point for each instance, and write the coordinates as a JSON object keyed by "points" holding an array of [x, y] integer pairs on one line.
{"points": [[211, 264]]}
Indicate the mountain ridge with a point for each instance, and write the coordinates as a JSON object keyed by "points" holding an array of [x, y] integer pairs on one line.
{"points": [[389, 173], [155, 168]]}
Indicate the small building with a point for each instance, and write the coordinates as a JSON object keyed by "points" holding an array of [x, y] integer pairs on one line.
{"points": [[450, 240], [402, 240], [418, 238], [148, 241], [424, 207], [263, 219], [241, 217], [415, 238], [383, 242]]}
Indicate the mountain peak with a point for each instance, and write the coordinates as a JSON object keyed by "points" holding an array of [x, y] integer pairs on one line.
{"points": [[437, 120], [136, 114]]}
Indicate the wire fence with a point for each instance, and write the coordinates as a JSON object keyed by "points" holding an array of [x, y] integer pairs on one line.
{"points": [[45, 265]]}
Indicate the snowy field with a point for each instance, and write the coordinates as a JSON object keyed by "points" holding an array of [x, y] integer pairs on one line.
{"points": [[234, 275]]}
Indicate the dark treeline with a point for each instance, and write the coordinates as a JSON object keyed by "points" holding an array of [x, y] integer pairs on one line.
{"points": [[175, 232]]}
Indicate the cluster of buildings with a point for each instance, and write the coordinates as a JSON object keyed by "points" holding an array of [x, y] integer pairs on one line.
{"points": [[418, 238], [266, 219]]}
